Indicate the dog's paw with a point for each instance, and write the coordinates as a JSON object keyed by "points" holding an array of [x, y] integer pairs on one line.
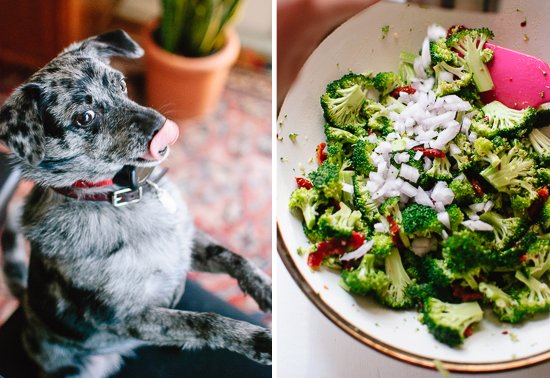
{"points": [[258, 286], [259, 347]]}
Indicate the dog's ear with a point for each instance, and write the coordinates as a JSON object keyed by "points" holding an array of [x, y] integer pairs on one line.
{"points": [[107, 45], [21, 125]]}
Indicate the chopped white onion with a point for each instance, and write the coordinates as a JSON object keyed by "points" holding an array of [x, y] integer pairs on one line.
{"points": [[422, 198], [359, 252], [444, 219], [477, 207], [380, 227], [488, 206], [408, 189], [418, 155], [409, 173], [421, 246], [348, 188], [441, 193], [477, 225], [435, 32], [454, 149]]}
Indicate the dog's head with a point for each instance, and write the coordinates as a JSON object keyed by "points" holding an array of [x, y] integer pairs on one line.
{"points": [[72, 120]]}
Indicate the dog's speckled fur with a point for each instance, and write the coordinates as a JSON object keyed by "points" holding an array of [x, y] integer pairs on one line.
{"points": [[102, 279]]}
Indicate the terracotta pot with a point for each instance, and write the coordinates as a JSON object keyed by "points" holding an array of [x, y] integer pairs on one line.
{"points": [[182, 87]]}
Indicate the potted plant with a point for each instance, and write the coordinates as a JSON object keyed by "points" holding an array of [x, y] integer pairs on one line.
{"points": [[189, 53]]}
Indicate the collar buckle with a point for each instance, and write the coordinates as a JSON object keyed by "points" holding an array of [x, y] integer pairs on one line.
{"points": [[126, 196]]}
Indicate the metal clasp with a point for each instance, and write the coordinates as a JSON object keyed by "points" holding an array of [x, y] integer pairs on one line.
{"points": [[118, 200]]}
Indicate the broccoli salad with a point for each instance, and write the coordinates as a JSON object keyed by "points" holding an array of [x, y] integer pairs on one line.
{"points": [[425, 197]]}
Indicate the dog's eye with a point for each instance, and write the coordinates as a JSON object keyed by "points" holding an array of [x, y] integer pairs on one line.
{"points": [[123, 86], [84, 119]]}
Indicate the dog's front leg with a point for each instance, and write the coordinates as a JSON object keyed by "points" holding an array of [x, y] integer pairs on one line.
{"points": [[185, 329], [209, 256]]}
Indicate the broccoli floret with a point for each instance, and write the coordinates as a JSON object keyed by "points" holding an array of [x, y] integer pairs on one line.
{"points": [[307, 200], [440, 171], [511, 172], [441, 276], [394, 294], [471, 95], [543, 177], [335, 134], [361, 157], [521, 201], [463, 191], [378, 117], [363, 201], [339, 224], [536, 296], [503, 121], [383, 245], [343, 100], [470, 44], [505, 230], [390, 208], [505, 307], [456, 217], [545, 217], [463, 251], [448, 321], [450, 79], [336, 154], [406, 67], [436, 273], [537, 258], [541, 144], [463, 158], [385, 82], [420, 221], [365, 279], [440, 52], [326, 179]]}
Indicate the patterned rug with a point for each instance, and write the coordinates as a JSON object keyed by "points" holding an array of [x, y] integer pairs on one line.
{"points": [[222, 164]]}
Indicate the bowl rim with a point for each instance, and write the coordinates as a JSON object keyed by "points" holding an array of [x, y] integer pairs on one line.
{"points": [[388, 350]]}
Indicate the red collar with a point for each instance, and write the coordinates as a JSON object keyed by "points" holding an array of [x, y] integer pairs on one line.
{"points": [[125, 189], [83, 184]]}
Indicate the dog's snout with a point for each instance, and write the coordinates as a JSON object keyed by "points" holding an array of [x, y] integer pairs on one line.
{"points": [[148, 122]]}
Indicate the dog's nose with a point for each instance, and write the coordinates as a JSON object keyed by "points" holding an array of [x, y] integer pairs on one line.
{"points": [[148, 121]]}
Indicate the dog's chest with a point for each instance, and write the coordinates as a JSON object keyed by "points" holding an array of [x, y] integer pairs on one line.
{"points": [[139, 253]]}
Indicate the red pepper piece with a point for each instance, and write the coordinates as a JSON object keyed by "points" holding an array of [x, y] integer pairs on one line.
{"points": [[465, 294], [477, 187], [394, 230], [430, 152], [303, 183], [469, 331], [321, 153], [407, 89], [335, 247], [522, 258], [543, 193], [356, 240]]}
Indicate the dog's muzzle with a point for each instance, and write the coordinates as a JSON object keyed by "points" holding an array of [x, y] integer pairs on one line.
{"points": [[164, 137]]}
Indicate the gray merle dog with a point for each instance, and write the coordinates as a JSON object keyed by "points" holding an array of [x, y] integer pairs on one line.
{"points": [[103, 277]]}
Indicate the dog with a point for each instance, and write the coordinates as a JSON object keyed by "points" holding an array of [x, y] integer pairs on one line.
{"points": [[110, 249]]}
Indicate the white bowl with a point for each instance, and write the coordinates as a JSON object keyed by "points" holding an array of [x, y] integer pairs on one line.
{"points": [[358, 46]]}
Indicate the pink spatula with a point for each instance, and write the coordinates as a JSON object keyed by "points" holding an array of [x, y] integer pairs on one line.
{"points": [[520, 80]]}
